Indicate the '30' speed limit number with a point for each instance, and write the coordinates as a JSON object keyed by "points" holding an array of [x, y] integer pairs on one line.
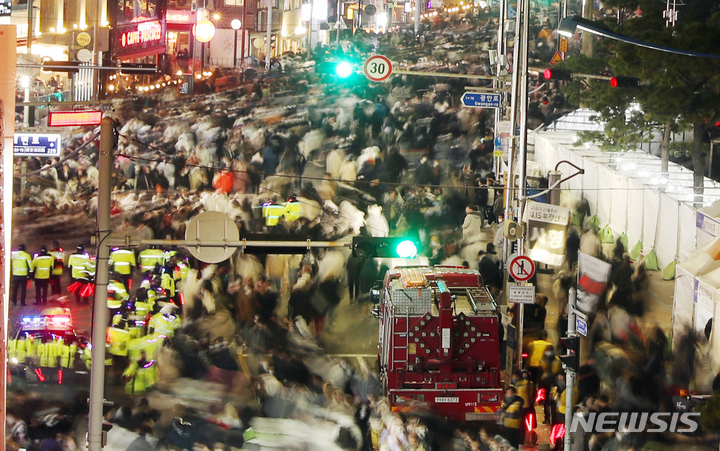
{"points": [[377, 68]]}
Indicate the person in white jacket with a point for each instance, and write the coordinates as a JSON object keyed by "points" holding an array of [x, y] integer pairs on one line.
{"points": [[472, 226]]}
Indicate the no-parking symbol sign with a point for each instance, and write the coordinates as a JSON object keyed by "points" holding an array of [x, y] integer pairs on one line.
{"points": [[522, 268]]}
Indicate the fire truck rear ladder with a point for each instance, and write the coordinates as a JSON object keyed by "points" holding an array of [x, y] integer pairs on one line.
{"points": [[407, 340]]}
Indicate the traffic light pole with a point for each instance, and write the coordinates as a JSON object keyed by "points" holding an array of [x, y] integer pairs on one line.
{"points": [[569, 373]]}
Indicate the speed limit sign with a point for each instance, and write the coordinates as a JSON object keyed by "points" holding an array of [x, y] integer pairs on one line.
{"points": [[377, 68]]}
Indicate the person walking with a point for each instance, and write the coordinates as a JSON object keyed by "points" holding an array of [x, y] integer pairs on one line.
{"points": [[42, 265], [123, 262], [81, 268], [21, 269], [59, 257], [511, 417], [472, 225]]}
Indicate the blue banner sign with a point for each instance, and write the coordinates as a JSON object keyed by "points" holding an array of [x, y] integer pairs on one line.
{"points": [[37, 145]]}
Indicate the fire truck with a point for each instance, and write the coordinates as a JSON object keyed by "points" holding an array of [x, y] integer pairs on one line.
{"points": [[439, 342]]}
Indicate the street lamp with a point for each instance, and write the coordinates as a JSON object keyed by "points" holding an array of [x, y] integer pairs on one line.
{"points": [[235, 24], [568, 26]]}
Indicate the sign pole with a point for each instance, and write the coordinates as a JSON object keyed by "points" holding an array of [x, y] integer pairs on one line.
{"points": [[569, 374]]}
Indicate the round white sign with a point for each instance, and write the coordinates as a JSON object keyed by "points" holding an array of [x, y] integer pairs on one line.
{"points": [[522, 268], [212, 226], [377, 68], [84, 55]]}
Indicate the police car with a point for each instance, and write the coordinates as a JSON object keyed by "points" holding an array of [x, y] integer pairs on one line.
{"points": [[46, 348]]}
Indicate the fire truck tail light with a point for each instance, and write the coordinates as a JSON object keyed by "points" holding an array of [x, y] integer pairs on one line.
{"points": [[445, 385]]}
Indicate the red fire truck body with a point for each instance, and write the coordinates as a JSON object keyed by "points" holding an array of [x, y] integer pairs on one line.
{"points": [[439, 343]]}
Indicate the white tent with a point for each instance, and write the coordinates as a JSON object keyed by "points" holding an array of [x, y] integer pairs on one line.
{"points": [[628, 192], [697, 296]]}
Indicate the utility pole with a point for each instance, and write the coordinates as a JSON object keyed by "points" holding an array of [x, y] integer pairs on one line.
{"points": [[501, 62], [100, 311], [268, 34], [518, 148]]}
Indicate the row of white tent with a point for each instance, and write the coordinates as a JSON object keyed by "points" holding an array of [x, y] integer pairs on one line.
{"points": [[630, 193]]}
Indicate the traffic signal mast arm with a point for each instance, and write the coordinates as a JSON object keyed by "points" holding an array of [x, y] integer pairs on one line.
{"points": [[278, 245], [566, 74]]}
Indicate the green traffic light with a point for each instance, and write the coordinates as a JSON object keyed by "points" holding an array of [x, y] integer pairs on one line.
{"points": [[343, 69], [406, 249]]}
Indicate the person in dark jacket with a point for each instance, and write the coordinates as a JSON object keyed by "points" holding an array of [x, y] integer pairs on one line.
{"points": [[423, 172], [490, 272], [146, 179]]}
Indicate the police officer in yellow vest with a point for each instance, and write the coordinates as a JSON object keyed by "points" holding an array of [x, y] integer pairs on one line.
{"points": [[151, 257], [164, 323], [526, 390], [59, 256], [117, 294], [118, 340], [167, 283], [81, 269], [42, 265], [551, 366], [511, 417], [123, 262], [21, 268], [536, 351], [559, 393], [140, 375]]}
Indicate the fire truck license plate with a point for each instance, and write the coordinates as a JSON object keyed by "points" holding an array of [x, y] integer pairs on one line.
{"points": [[449, 399]]}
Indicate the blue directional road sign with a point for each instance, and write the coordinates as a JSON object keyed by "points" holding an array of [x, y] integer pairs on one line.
{"points": [[36, 145], [581, 326], [481, 100]]}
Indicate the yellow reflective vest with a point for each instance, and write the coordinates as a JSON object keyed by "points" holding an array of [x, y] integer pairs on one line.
{"points": [[21, 263], [122, 261], [81, 267], [140, 377], [512, 416], [165, 325], [58, 256], [537, 352], [150, 257], [293, 211], [116, 294], [525, 391], [42, 265], [272, 213], [118, 340], [167, 282]]}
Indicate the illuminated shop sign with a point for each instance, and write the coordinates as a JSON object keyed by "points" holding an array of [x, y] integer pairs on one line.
{"points": [[73, 118], [179, 16], [146, 32], [143, 38]]}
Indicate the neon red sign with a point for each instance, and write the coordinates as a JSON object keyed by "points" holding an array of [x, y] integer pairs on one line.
{"points": [[146, 32], [73, 118]]}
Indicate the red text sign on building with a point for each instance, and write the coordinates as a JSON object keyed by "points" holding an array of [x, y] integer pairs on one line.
{"points": [[145, 32], [74, 118]]}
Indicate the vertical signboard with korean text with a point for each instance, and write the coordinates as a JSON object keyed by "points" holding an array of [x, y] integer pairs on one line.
{"points": [[546, 227]]}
